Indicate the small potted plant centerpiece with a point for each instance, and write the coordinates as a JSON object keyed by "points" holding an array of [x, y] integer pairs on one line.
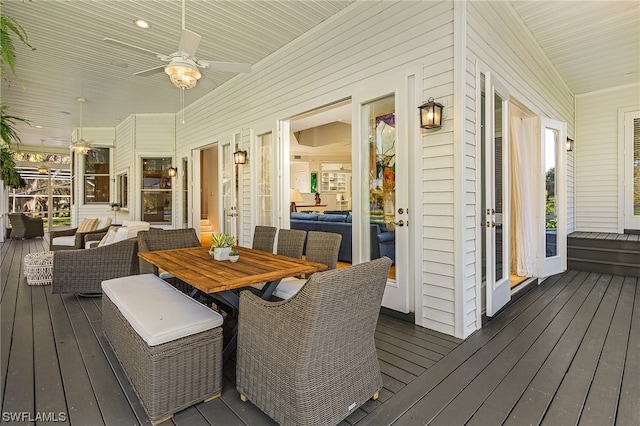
{"points": [[221, 246], [234, 256]]}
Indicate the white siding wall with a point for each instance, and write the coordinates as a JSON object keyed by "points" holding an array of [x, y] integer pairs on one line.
{"points": [[102, 137], [150, 135], [499, 41], [596, 158], [125, 144]]}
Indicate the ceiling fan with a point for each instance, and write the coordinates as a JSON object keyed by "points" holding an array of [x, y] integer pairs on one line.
{"points": [[182, 66]]}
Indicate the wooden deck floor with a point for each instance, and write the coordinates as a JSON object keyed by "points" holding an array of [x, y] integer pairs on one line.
{"points": [[566, 352]]}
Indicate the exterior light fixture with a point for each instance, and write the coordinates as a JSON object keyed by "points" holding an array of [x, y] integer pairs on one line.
{"points": [[569, 145], [431, 114], [240, 157], [42, 169], [172, 171]]}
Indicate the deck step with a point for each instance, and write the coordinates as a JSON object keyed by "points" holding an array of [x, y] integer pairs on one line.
{"points": [[612, 255]]}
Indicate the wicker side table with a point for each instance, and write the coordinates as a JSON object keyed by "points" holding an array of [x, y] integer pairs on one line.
{"points": [[37, 267]]}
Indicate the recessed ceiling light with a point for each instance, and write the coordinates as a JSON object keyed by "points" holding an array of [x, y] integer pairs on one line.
{"points": [[64, 112], [141, 23], [629, 74], [38, 127]]}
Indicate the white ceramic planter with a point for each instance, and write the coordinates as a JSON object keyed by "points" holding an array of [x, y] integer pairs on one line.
{"points": [[221, 253]]}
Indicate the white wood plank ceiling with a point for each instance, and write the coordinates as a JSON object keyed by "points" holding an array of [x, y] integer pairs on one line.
{"points": [[593, 44]]}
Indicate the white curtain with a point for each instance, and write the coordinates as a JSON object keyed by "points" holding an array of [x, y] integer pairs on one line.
{"points": [[521, 201]]}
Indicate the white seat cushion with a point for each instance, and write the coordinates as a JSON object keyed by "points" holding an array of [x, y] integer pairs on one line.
{"points": [[158, 312], [289, 287], [67, 240]]}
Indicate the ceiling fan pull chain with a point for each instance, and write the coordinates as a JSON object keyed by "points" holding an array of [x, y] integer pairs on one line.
{"points": [[182, 103]]}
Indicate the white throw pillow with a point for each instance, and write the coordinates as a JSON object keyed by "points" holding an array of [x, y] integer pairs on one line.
{"points": [[104, 222], [126, 232], [110, 236]]}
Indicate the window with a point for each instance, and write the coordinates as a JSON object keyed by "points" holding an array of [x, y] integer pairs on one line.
{"points": [[122, 190], [96, 176], [157, 192]]}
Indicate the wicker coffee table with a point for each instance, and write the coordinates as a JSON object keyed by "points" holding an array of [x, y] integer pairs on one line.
{"points": [[37, 267]]}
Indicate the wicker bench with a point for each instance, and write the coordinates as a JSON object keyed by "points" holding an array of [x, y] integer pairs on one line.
{"points": [[169, 345]]}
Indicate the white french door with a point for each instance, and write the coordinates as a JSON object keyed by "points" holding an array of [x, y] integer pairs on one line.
{"points": [[552, 199], [227, 187], [495, 202], [381, 190], [632, 170]]}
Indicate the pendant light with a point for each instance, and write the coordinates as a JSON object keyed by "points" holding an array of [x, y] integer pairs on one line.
{"points": [[80, 146], [42, 168]]}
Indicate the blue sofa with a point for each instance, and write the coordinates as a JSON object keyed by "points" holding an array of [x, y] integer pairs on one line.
{"points": [[341, 224]]}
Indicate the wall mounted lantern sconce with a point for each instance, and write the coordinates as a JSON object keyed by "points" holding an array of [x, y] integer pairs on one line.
{"points": [[431, 114], [569, 145], [240, 157], [172, 171]]}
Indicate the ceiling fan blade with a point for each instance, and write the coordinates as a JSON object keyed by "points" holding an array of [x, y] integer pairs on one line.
{"points": [[207, 83], [136, 48], [189, 42], [226, 66], [150, 71]]}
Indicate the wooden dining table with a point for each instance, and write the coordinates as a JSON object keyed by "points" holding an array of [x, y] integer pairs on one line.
{"points": [[216, 279]]}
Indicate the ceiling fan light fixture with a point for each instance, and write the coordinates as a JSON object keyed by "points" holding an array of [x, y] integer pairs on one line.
{"points": [[81, 147], [183, 74]]}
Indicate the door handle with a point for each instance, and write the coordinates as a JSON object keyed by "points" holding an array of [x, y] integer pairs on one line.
{"points": [[399, 223]]}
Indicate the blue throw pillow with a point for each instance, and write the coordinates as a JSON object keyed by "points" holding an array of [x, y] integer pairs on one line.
{"points": [[332, 218], [304, 216]]}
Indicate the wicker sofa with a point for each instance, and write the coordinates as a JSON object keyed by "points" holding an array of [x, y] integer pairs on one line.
{"points": [[23, 226], [311, 359]]}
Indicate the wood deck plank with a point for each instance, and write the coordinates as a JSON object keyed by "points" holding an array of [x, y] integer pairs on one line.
{"points": [[81, 401], [523, 356], [404, 354], [522, 332], [433, 347], [566, 406], [19, 392], [49, 392], [113, 403], [602, 401], [527, 305], [399, 362], [629, 405], [539, 390]]}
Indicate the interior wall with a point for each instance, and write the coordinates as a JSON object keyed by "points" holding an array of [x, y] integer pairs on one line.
{"points": [[209, 186]]}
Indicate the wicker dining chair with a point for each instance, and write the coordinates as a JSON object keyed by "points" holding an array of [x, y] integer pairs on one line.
{"points": [[311, 359], [321, 247], [166, 239], [291, 242], [263, 238]]}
